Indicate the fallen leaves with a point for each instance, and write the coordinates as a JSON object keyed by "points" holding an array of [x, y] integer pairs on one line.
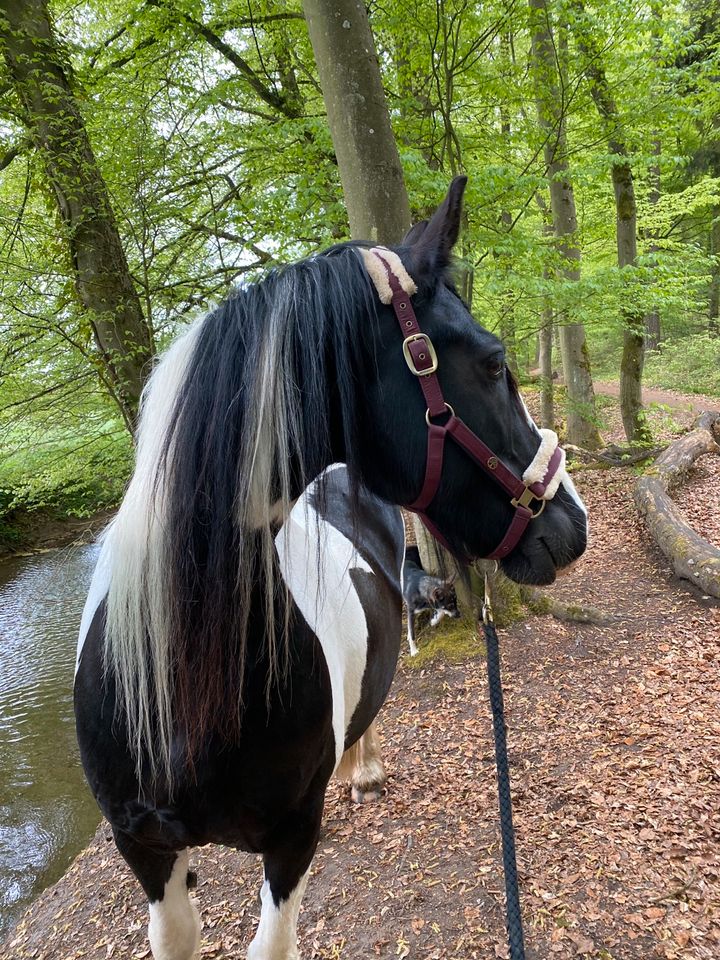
{"points": [[614, 736]]}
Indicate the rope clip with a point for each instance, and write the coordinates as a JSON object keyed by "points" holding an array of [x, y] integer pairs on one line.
{"points": [[487, 611]]}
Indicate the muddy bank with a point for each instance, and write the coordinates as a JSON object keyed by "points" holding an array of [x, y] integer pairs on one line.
{"points": [[35, 532]]}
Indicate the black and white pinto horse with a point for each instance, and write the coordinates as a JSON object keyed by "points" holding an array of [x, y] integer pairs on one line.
{"points": [[244, 620]]}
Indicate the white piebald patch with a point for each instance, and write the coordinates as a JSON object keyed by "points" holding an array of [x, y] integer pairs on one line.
{"points": [[570, 488], [378, 273], [174, 929], [276, 937], [315, 560], [99, 586]]}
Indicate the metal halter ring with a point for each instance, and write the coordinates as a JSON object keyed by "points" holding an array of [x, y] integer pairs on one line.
{"points": [[449, 410], [524, 501]]}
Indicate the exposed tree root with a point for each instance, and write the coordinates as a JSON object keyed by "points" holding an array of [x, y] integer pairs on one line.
{"points": [[691, 557], [540, 602], [511, 601]]}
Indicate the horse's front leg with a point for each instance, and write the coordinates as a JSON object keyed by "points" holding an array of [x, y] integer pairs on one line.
{"points": [[174, 929], [287, 865]]}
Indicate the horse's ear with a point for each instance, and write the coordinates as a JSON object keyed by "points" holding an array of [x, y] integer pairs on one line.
{"points": [[432, 246], [414, 233]]}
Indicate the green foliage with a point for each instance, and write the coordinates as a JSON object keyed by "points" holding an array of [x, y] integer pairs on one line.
{"points": [[56, 474], [208, 125]]}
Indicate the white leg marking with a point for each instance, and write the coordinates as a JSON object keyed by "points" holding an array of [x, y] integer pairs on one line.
{"points": [[412, 644], [276, 937], [369, 775], [174, 929], [362, 765]]}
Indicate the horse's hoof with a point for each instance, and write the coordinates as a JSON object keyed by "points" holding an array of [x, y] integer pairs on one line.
{"points": [[366, 796]]}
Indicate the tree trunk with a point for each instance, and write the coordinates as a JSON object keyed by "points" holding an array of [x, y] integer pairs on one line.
{"points": [[652, 319], [36, 63], [359, 121], [507, 305], [691, 557], [581, 428], [653, 332], [633, 356], [547, 400], [714, 306], [545, 338], [368, 160]]}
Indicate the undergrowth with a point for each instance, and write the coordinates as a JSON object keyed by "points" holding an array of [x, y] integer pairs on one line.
{"points": [[59, 474], [689, 366]]}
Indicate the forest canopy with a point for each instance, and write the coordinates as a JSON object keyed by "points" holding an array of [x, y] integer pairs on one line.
{"points": [[155, 152]]}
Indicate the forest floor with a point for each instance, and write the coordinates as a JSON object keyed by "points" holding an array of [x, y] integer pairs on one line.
{"points": [[614, 736]]}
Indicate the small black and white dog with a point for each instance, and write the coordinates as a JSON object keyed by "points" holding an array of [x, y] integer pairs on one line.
{"points": [[423, 592]]}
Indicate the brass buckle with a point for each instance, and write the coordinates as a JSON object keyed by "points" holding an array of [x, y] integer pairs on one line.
{"points": [[524, 501], [409, 357]]}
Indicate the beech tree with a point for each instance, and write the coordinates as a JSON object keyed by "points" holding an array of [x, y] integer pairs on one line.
{"points": [[581, 421], [633, 355], [199, 140], [41, 82], [368, 160]]}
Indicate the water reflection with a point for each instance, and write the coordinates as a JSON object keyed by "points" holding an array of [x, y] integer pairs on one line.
{"points": [[46, 811]]}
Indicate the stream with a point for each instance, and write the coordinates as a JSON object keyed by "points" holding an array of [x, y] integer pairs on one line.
{"points": [[47, 814]]}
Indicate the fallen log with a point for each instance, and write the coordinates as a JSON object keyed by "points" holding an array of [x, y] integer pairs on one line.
{"points": [[691, 557], [613, 456]]}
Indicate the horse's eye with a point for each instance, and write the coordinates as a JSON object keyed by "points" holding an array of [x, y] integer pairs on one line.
{"points": [[495, 368]]}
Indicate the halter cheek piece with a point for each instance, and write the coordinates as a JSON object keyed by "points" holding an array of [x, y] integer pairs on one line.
{"points": [[541, 479]]}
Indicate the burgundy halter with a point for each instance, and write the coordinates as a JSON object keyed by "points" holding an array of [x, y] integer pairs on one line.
{"points": [[422, 361]]}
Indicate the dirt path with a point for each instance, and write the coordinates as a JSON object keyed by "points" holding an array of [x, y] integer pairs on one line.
{"points": [[615, 758], [678, 401]]}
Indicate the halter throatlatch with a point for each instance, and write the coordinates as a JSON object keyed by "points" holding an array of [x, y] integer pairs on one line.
{"points": [[540, 480]]}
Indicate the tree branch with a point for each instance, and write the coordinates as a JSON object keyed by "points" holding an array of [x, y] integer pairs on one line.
{"points": [[270, 97]]}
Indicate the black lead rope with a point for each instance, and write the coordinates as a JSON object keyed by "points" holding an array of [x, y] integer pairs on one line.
{"points": [[512, 896]]}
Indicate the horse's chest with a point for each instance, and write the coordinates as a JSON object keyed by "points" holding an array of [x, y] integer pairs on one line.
{"points": [[318, 566]]}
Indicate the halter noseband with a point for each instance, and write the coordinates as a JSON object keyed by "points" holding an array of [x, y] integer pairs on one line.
{"points": [[541, 479]]}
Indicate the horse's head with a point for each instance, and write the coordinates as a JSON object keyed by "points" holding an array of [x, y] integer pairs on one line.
{"points": [[469, 508]]}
